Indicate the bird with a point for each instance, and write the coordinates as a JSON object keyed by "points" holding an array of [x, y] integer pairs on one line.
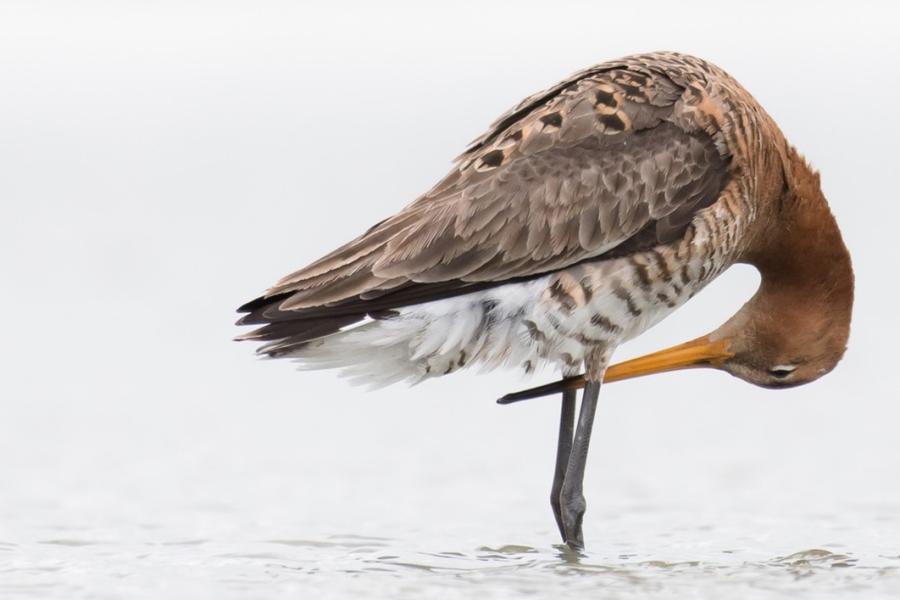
{"points": [[583, 216]]}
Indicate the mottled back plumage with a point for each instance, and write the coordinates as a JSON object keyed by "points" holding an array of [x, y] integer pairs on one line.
{"points": [[613, 162]]}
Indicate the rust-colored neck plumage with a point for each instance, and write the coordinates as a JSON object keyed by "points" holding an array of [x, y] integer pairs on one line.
{"points": [[799, 245], [801, 313]]}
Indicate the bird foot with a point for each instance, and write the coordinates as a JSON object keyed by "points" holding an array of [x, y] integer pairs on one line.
{"points": [[572, 516]]}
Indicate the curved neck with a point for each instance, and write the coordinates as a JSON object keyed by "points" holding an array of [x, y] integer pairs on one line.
{"points": [[807, 275], [804, 249]]}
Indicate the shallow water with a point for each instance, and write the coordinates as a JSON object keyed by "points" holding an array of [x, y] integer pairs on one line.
{"points": [[644, 553], [179, 492], [402, 495], [338, 566]]}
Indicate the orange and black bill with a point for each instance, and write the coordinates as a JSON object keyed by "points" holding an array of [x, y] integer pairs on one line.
{"points": [[701, 352]]}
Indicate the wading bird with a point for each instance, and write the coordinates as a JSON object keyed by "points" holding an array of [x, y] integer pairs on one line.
{"points": [[583, 216]]}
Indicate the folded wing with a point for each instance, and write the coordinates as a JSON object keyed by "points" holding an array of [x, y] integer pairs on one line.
{"points": [[592, 168]]}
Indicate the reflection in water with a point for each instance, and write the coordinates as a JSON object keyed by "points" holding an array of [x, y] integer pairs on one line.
{"points": [[520, 567], [346, 565]]}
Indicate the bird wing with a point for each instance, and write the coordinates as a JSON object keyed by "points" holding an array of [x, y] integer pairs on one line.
{"points": [[595, 166]]}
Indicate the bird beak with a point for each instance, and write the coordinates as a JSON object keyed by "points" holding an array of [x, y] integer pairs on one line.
{"points": [[701, 352]]}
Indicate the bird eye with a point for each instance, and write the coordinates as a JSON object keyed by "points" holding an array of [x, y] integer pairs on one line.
{"points": [[782, 371]]}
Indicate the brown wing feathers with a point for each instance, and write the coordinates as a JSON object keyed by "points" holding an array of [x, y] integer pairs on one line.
{"points": [[572, 174]]}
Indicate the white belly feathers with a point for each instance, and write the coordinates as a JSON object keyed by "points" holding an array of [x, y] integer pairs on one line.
{"points": [[552, 320]]}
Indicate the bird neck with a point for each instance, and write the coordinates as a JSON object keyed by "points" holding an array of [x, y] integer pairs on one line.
{"points": [[808, 249], [802, 259]]}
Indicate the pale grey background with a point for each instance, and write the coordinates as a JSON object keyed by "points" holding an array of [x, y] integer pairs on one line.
{"points": [[161, 163]]}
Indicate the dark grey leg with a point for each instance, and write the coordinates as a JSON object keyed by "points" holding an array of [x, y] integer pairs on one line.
{"points": [[572, 503], [563, 449]]}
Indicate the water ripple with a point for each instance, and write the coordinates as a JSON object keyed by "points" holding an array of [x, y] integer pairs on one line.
{"points": [[351, 565]]}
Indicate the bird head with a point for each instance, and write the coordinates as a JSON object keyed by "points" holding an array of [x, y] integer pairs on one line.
{"points": [[773, 348]]}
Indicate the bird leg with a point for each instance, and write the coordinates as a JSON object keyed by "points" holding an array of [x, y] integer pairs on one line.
{"points": [[563, 450], [572, 503]]}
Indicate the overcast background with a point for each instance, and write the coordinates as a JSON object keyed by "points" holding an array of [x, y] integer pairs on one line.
{"points": [[162, 163]]}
